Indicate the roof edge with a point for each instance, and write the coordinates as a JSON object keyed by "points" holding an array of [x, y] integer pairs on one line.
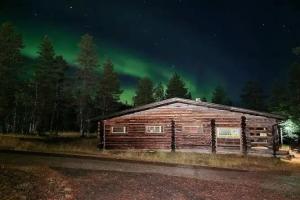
{"points": [[191, 102]]}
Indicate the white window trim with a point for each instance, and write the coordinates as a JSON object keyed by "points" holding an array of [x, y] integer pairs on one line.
{"points": [[124, 129], [161, 130], [228, 137]]}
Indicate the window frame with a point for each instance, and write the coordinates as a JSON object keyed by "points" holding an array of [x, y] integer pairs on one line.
{"points": [[161, 129], [123, 132], [228, 137]]}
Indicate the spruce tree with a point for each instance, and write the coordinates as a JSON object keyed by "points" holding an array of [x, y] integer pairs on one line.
{"points": [[159, 92], [144, 92], [10, 61], [278, 101], [294, 96], [219, 96], [189, 95], [25, 97], [109, 90], [85, 91], [60, 67], [176, 88], [252, 96], [44, 86], [294, 90]]}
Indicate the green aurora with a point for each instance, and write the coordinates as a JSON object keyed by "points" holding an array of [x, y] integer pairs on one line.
{"points": [[126, 61]]}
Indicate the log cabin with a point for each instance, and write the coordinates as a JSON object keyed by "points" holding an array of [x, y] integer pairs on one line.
{"points": [[186, 125]]}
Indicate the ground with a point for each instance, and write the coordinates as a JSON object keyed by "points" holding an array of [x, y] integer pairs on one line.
{"points": [[72, 143], [26, 176]]}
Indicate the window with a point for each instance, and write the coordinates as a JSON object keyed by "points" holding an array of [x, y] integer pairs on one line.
{"points": [[223, 132], [118, 129], [154, 129], [263, 134]]}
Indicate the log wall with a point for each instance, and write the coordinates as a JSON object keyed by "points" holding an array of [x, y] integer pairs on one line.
{"points": [[192, 128]]}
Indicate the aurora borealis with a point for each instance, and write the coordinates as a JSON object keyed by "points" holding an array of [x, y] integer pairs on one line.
{"points": [[207, 43]]}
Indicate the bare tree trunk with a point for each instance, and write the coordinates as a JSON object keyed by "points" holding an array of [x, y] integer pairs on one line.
{"points": [[34, 113], [81, 121], [54, 111], [104, 106], [14, 119], [87, 122], [24, 122], [3, 126], [58, 107], [7, 125]]}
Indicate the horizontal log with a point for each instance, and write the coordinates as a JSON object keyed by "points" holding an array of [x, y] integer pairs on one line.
{"points": [[135, 136]]}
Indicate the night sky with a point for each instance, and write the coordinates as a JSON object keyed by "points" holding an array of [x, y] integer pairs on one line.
{"points": [[209, 42]]}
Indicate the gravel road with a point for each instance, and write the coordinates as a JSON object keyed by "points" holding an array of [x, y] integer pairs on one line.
{"points": [[102, 176]]}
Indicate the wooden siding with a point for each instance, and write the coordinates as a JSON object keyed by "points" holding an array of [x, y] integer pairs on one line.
{"points": [[190, 116]]}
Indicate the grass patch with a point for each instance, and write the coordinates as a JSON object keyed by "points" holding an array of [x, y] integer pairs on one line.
{"points": [[78, 145], [68, 144], [231, 161]]}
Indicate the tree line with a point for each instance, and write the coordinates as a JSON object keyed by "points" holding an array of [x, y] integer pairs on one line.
{"points": [[53, 97], [47, 94]]}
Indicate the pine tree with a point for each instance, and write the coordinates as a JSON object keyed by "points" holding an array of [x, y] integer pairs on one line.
{"points": [[189, 95], [159, 92], [60, 67], [24, 106], [69, 104], [220, 97], [176, 88], [85, 93], [144, 92], [294, 90], [252, 96], [294, 96], [109, 90], [10, 60], [44, 86], [278, 101]]}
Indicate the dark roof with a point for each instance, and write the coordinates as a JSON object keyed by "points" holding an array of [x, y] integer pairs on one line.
{"points": [[190, 102]]}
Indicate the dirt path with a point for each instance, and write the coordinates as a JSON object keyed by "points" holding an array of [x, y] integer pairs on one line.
{"points": [[101, 176], [91, 164]]}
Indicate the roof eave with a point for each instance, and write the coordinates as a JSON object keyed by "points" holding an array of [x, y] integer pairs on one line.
{"points": [[191, 102]]}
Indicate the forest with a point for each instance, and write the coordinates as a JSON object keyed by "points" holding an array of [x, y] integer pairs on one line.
{"points": [[48, 95]]}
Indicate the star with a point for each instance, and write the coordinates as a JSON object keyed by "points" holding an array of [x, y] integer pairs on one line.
{"points": [[261, 26], [70, 7], [285, 28]]}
